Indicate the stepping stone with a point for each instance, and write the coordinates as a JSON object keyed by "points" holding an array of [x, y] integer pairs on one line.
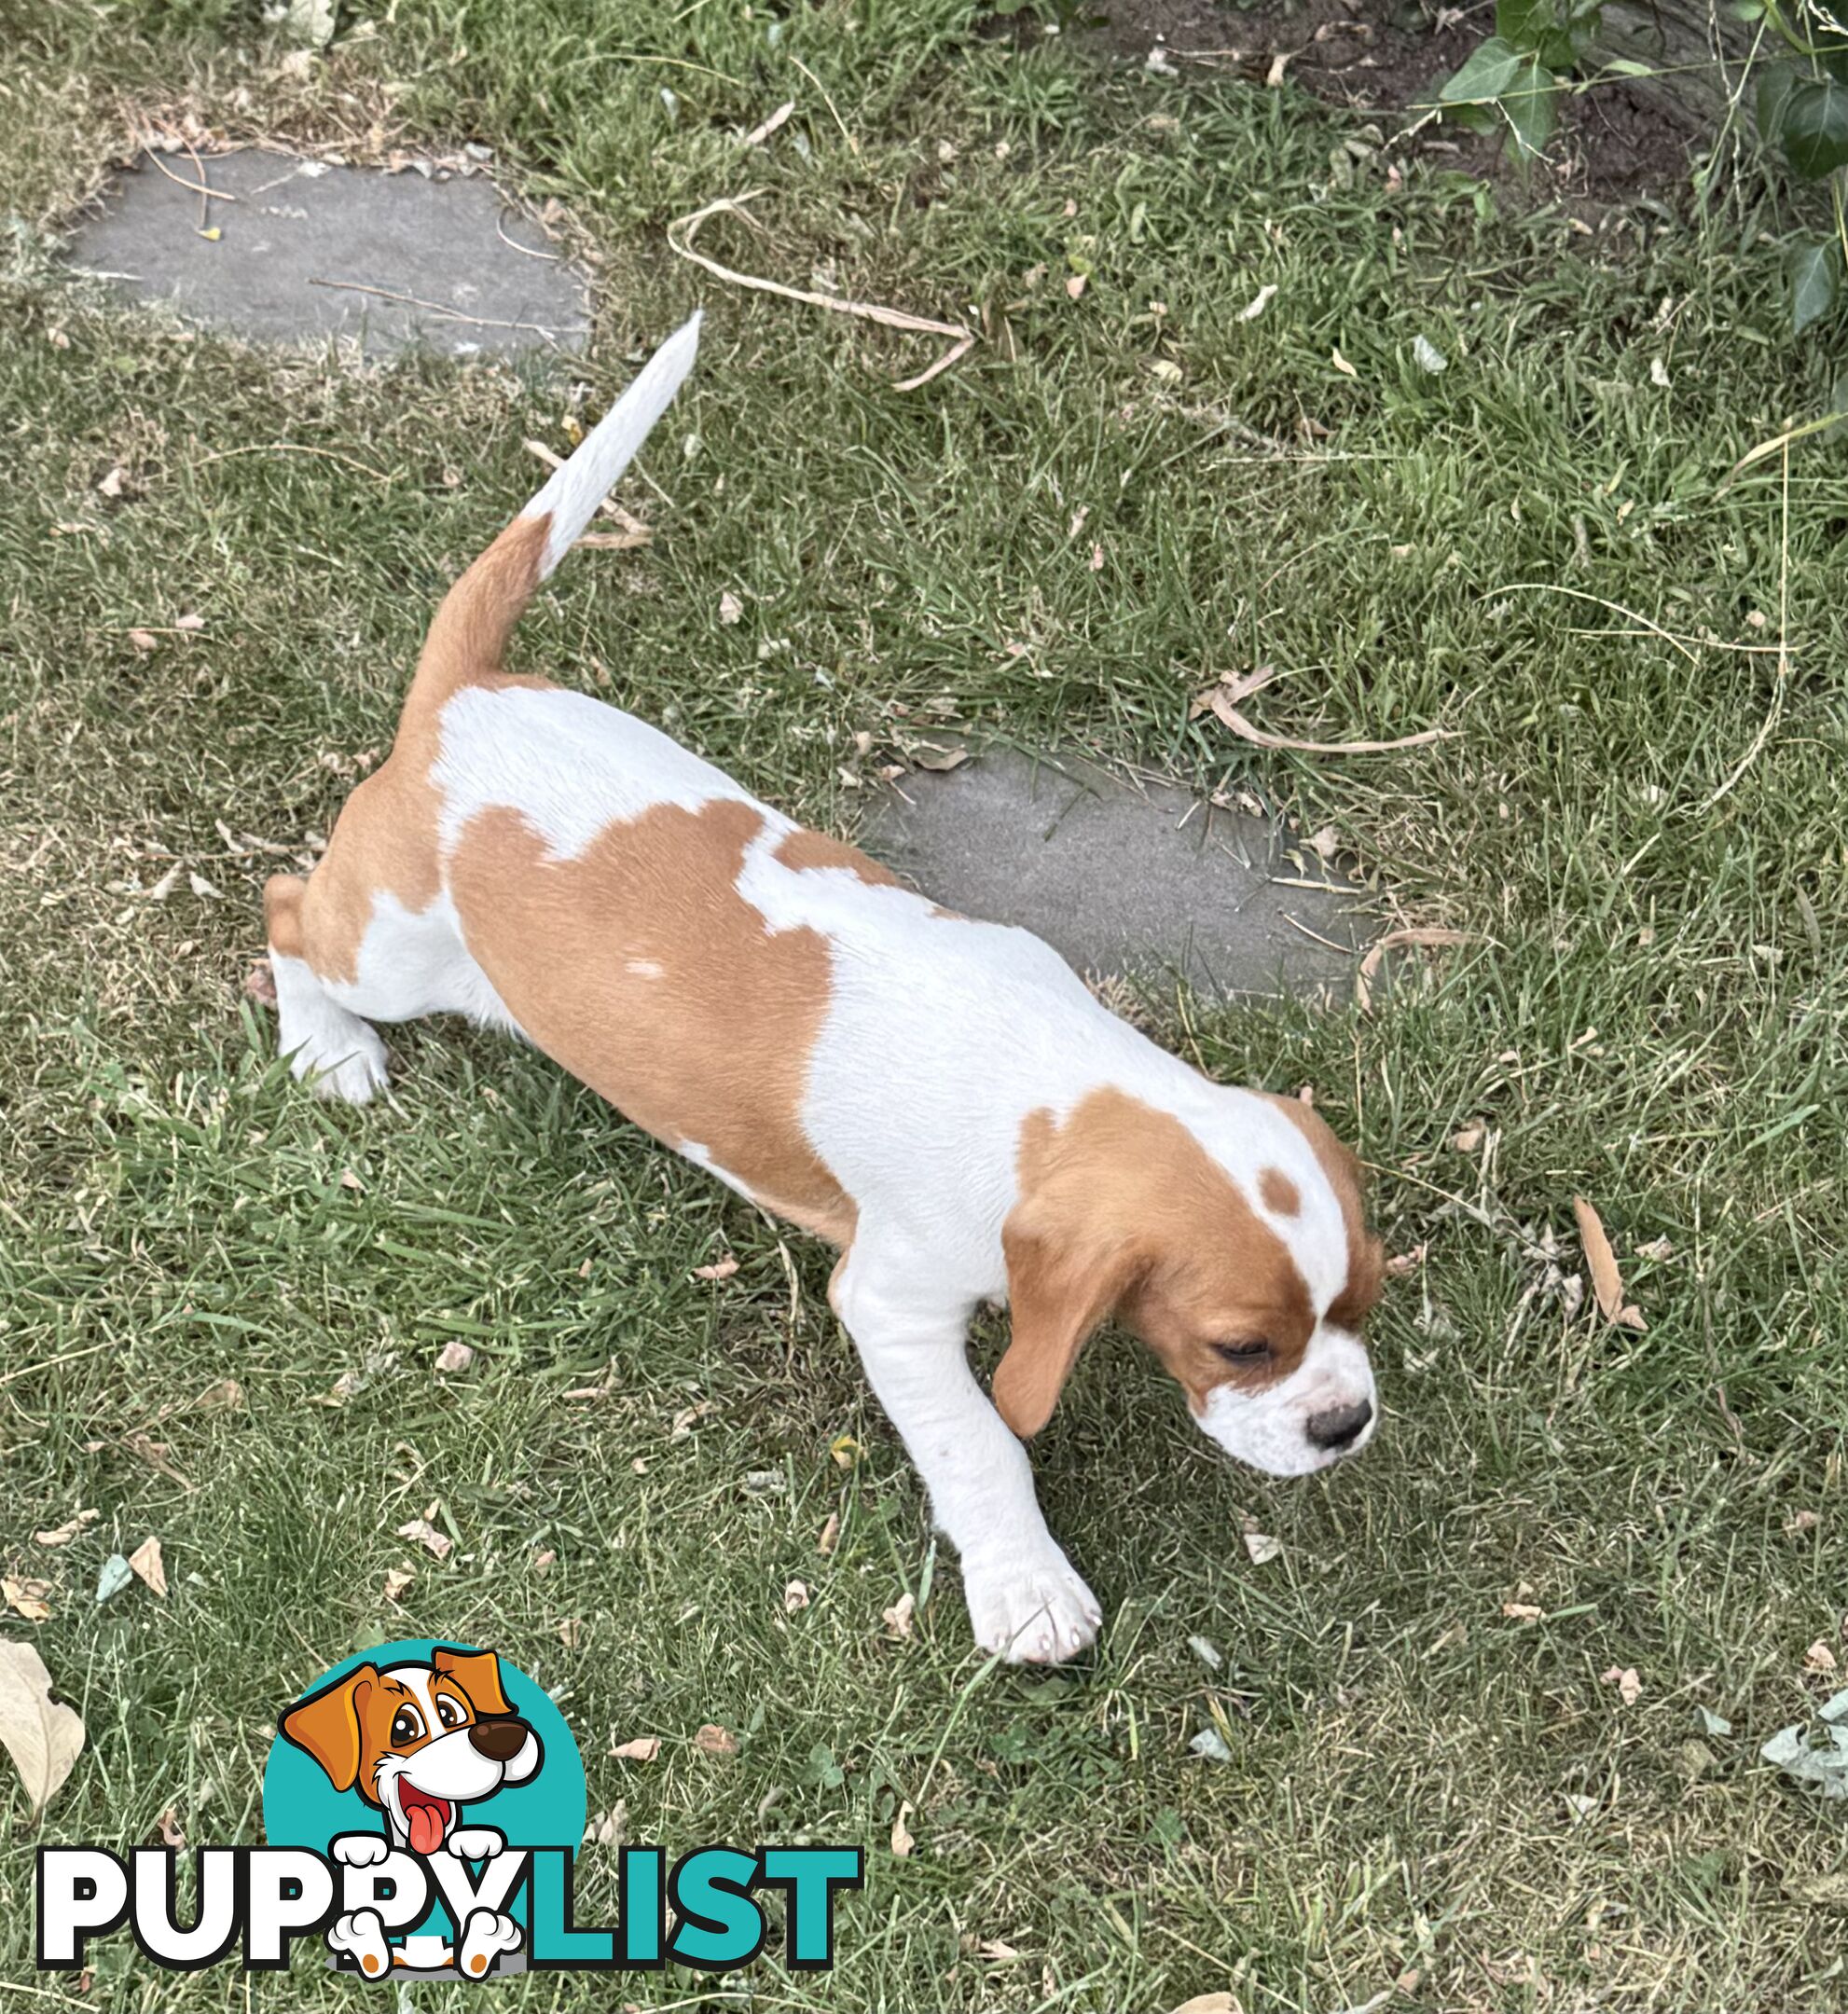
{"points": [[1123, 878], [440, 243]]}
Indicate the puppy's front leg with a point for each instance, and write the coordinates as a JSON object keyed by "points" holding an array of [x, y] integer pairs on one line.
{"points": [[1025, 1599]]}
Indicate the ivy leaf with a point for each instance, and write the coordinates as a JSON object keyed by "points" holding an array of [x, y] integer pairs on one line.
{"points": [[1815, 279], [1532, 108], [1489, 71], [1813, 127]]}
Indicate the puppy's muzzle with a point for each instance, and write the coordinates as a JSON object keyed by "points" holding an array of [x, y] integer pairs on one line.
{"points": [[500, 1739]]}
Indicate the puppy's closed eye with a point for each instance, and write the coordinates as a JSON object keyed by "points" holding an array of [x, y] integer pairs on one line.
{"points": [[1254, 1351]]}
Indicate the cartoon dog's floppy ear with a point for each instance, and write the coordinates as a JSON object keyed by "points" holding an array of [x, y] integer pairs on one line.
{"points": [[478, 1673], [326, 1725]]}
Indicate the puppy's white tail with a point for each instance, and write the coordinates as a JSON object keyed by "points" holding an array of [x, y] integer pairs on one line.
{"points": [[470, 630]]}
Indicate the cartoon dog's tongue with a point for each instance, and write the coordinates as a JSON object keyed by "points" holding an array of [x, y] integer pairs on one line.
{"points": [[424, 1818]]}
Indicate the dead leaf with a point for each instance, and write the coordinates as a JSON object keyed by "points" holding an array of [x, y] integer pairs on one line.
{"points": [[720, 1269], [1074, 286], [168, 1826], [1799, 1522], [898, 1619], [1213, 2003], [1629, 1686], [226, 1396], [1342, 365], [425, 1534], [111, 485], [1097, 558], [1819, 1657], [64, 1533], [1262, 1546], [455, 1354], [542, 1563], [1405, 1261], [189, 622], [150, 1569], [1258, 303], [260, 984], [1280, 61], [1607, 1281], [1431, 938], [1467, 1139], [203, 888], [831, 1535], [940, 760], [731, 609], [398, 1578], [570, 1633], [712, 1739], [902, 1840], [1520, 1611], [758, 135], [1656, 1249], [845, 1450], [350, 1181], [26, 1598], [43, 1736], [795, 1597], [994, 1948], [1220, 703], [610, 1828], [142, 642], [643, 1748]]}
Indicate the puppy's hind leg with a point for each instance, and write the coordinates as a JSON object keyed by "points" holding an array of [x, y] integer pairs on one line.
{"points": [[323, 1041]]}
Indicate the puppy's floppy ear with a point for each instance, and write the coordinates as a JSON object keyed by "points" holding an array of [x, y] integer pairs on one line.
{"points": [[1061, 1284], [478, 1673], [326, 1725]]}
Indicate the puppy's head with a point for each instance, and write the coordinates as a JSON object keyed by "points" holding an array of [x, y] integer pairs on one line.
{"points": [[418, 1741], [1232, 1241]]}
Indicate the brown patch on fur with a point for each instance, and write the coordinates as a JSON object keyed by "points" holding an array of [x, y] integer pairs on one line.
{"points": [[1277, 1193], [803, 849], [1122, 1210], [1365, 1258], [385, 839], [708, 1044]]}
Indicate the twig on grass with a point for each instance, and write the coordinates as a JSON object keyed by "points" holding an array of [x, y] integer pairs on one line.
{"points": [[1776, 710], [287, 446], [199, 187], [681, 234], [1222, 701], [430, 307]]}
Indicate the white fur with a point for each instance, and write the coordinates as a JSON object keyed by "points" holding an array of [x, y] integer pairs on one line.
{"points": [[323, 1041], [575, 490]]}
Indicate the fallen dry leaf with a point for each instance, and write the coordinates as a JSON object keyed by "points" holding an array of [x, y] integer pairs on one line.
{"points": [[350, 1181], [712, 1739], [455, 1354], [189, 622], [168, 1826], [1467, 1139], [609, 1828], [111, 485], [43, 1736], [1799, 1522], [1629, 1686], [143, 641], [1262, 1546], [994, 1948], [643, 1748], [795, 1597], [425, 1534], [758, 135], [1520, 1611], [720, 1269], [902, 1840], [398, 1578], [203, 888], [226, 1396], [1405, 1261], [831, 1535], [1342, 365], [570, 1633], [1819, 1658], [1212, 2003], [1074, 288], [845, 1451], [899, 1618], [731, 609], [63, 1534], [26, 1598], [1601, 1261], [940, 760], [260, 984], [150, 1569]]}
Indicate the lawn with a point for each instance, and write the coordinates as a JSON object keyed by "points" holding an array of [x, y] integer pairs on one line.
{"points": [[1425, 1801]]}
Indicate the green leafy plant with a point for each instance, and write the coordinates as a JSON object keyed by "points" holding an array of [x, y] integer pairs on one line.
{"points": [[1803, 112], [1514, 80]]}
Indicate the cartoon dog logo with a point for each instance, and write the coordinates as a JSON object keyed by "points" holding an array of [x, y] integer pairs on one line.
{"points": [[418, 1741]]}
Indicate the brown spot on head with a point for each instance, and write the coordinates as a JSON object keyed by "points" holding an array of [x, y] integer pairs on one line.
{"points": [[1366, 1257], [1122, 1210], [640, 967], [1278, 1193]]}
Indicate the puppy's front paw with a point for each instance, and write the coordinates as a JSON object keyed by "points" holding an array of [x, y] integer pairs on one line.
{"points": [[1031, 1607], [485, 1936], [360, 1935], [475, 1843], [361, 1849]]}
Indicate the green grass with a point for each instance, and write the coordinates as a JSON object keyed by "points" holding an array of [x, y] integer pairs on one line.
{"points": [[176, 1212]]}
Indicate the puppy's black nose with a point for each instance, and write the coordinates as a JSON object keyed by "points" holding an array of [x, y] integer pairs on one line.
{"points": [[1340, 1427], [499, 1740]]}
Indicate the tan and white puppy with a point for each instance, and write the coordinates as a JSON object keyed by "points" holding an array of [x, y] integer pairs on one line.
{"points": [[940, 1097]]}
